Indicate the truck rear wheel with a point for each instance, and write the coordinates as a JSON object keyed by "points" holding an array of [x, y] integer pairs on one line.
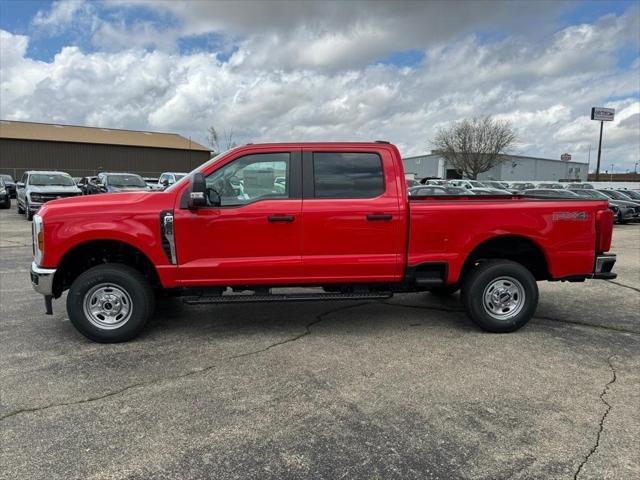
{"points": [[110, 303], [500, 295]]}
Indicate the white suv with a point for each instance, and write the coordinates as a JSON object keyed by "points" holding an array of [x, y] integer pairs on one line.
{"points": [[37, 187]]}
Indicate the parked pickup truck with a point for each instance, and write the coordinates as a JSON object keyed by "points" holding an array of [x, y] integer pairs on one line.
{"points": [[334, 216]]}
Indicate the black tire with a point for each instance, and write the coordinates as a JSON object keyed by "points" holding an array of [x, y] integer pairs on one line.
{"points": [[20, 209], [139, 296], [6, 204], [494, 274], [444, 291], [27, 213]]}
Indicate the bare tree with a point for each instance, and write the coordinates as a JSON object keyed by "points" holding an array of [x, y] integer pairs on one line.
{"points": [[220, 143], [474, 146]]}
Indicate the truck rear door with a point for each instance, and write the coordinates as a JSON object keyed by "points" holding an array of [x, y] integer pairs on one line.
{"points": [[354, 226]]}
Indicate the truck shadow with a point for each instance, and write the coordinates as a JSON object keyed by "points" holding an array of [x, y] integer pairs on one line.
{"points": [[345, 318]]}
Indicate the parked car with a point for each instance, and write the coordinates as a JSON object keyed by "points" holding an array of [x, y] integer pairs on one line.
{"points": [[632, 194], [518, 187], [120, 182], [616, 195], [89, 185], [410, 182], [623, 199], [433, 181], [550, 185], [489, 191], [5, 199], [579, 185], [153, 183], [467, 184], [169, 178], [550, 192], [364, 237], [622, 213], [496, 184], [9, 184], [428, 190], [35, 188]]}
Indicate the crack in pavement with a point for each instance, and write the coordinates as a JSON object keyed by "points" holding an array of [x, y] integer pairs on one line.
{"points": [[551, 319], [584, 324], [425, 307], [319, 318], [602, 419], [624, 286]]}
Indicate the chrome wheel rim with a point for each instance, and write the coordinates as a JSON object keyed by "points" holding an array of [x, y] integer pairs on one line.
{"points": [[107, 306], [503, 298]]}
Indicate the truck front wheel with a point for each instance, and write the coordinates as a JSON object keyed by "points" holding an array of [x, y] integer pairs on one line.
{"points": [[500, 295], [110, 303]]}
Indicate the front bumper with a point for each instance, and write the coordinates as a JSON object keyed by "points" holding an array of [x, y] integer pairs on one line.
{"points": [[42, 279], [603, 266]]}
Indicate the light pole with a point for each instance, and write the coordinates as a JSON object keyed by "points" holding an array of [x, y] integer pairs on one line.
{"points": [[635, 169], [603, 115], [611, 178]]}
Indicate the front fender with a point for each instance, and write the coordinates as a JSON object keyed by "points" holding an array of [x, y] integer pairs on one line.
{"points": [[64, 233]]}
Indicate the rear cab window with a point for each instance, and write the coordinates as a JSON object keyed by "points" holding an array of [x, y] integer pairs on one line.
{"points": [[347, 175]]}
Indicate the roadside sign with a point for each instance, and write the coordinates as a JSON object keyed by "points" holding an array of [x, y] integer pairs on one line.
{"points": [[565, 157], [602, 114]]}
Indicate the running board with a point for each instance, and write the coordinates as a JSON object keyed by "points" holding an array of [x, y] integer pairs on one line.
{"points": [[291, 297]]}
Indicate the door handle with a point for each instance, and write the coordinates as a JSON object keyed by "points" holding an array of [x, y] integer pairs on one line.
{"points": [[281, 218], [379, 217]]}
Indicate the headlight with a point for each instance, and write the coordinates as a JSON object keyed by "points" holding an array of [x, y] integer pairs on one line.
{"points": [[3, 191], [38, 238], [35, 197]]}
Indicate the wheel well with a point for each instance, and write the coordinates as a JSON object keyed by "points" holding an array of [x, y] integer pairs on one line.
{"points": [[517, 249], [87, 255]]}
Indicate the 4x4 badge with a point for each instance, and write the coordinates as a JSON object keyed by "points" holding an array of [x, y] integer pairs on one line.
{"points": [[571, 216]]}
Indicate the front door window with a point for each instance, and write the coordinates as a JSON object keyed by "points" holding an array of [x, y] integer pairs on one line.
{"points": [[249, 179]]}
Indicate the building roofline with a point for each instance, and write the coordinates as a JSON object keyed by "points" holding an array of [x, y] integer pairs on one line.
{"points": [[26, 130]]}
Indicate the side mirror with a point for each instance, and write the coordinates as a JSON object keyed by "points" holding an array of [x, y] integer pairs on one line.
{"points": [[197, 192], [20, 185], [165, 183]]}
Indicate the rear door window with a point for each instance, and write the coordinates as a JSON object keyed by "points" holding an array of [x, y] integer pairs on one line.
{"points": [[347, 175]]}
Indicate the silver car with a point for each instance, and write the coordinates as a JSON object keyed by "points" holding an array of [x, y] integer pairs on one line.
{"points": [[35, 188]]}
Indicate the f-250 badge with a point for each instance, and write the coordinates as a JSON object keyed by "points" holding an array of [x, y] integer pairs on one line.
{"points": [[570, 216]]}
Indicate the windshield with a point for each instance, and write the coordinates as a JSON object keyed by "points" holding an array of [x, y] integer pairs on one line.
{"points": [[180, 176], [631, 194], [125, 181], [615, 195], [591, 193], [50, 179], [6, 178]]}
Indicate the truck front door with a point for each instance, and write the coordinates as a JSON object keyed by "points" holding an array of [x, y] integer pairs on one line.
{"points": [[254, 235]]}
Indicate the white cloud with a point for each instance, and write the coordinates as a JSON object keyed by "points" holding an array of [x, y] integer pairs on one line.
{"points": [[61, 14], [271, 91]]}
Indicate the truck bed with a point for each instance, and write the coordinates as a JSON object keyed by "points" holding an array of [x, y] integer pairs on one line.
{"points": [[448, 228]]}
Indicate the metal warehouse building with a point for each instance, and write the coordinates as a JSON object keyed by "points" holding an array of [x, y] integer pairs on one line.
{"points": [[511, 168], [83, 151]]}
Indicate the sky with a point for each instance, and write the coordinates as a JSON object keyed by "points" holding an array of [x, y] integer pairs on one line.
{"points": [[330, 71]]}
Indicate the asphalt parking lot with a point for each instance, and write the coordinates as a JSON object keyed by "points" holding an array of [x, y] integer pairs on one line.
{"points": [[407, 388]]}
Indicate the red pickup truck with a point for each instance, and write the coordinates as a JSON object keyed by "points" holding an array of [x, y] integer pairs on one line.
{"points": [[330, 215]]}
